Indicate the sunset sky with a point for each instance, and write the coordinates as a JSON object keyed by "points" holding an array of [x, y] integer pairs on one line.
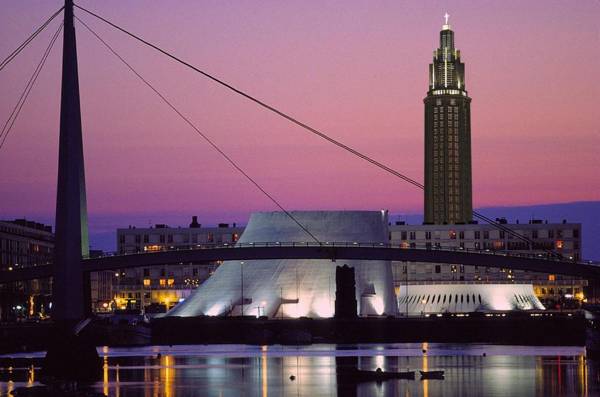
{"points": [[357, 70]]}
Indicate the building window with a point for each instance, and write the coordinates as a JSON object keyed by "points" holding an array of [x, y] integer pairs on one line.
{"points": [[170, 238], [428, 235], [575, 233], [477, 234], [195, 271], [162, 272], [162, 282], [551, 277], [551, 233], [461, 235], [438, 268], [502, 234], [452, 234], [146, 272], [170, 282], [147, 282], [146, 238], [210, 238], [486, 234], [162, 238], [559, 244]]}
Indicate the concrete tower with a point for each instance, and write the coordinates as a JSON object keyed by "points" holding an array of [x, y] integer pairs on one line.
{"points": [[448, 197], [71, 244]]}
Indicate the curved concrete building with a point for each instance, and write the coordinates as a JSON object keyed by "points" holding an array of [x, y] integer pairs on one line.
{"points": [[296, 288], [465, 298]]}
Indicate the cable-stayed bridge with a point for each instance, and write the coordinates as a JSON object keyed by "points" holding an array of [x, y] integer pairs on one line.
{"points": [[72, 266]]}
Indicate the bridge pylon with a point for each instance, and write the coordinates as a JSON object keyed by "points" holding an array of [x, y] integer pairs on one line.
{"points": [[71, 238]]}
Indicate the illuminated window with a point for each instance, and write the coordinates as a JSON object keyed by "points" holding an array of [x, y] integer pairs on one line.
{"points": [[147, 282], [498, 244], [234, 237], [551, 277], [162, 282], [559, 244], [170, 281]]}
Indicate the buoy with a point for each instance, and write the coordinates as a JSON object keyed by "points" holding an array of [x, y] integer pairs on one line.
{"points": [[292, 377]]}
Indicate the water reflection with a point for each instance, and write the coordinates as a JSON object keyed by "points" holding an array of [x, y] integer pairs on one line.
{"points": [[323, 370]]}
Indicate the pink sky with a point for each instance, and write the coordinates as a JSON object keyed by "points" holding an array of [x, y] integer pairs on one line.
{"points": [[357, 70]]}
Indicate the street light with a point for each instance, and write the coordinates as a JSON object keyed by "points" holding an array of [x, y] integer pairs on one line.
{"points": [[242, 283]]}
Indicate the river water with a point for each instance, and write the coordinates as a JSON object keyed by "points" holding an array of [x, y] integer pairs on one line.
{"points": [[242, 370]]}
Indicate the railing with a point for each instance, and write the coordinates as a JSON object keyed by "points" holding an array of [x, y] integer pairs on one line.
{"points": [[326, 244]]}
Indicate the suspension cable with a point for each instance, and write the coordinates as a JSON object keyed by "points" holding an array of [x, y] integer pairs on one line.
{"points": [[16, 52], [203, 135], [304, 126], [28, 87]]}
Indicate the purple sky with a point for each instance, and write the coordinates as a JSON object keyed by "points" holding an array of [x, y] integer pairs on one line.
{"points": [[357, 70]]}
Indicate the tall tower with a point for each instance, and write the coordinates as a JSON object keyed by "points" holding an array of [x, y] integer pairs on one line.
{"points": [[448, 198]]}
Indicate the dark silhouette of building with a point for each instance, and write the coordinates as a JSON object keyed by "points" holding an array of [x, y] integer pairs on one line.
{"points": [[448, 198], [345, 292]]}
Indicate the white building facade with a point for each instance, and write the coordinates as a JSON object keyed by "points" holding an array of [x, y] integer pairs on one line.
{"points": [[563, 238]]}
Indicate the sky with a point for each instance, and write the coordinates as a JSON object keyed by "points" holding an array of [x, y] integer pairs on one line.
{"points": [[354, 69]]}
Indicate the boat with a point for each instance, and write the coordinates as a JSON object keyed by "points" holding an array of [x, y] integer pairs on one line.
{"points": [[432, 374], [377, 375]]}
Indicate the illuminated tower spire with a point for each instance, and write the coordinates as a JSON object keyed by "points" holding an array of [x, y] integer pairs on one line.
{"points": [[446, 26], [448, 197]]}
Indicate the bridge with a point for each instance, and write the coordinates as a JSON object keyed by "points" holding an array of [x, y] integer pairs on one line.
{"points": [[329, 251], [70, 270]]}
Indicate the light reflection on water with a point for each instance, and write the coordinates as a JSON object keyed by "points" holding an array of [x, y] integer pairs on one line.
{"points": [[237, 370]]}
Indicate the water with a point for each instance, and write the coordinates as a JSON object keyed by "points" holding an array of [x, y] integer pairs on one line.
{"points": [[241, 370]]}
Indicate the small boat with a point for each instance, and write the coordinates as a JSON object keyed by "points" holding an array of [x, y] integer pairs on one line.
{"points": [[432, 374]]}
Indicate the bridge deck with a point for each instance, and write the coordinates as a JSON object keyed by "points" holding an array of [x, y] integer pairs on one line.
{"points": [[330, 251]]}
